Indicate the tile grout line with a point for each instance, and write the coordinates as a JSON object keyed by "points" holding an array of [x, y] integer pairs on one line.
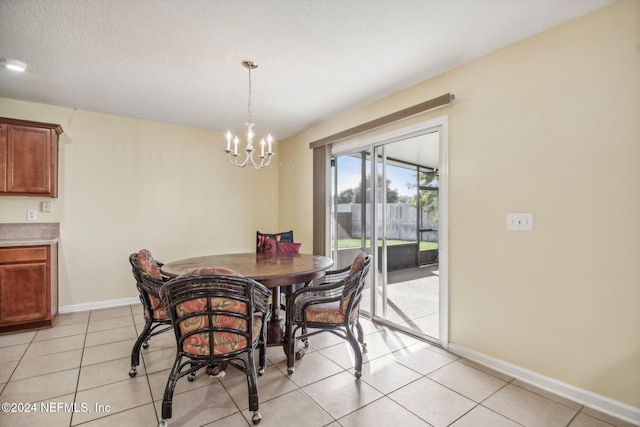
{"points": [[144, 364], [80, 370], [494, 393], [19, 361], [75, 394], [574, 416], [363, 380]]}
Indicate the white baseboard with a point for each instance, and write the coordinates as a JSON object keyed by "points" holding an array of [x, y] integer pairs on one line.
{"points": [[586, 398], [98, 305]]}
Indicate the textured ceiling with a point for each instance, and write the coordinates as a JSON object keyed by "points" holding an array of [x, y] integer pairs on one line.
{"points": [[179, 61]]}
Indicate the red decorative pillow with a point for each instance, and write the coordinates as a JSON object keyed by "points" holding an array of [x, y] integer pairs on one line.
{"points": [[285, 236], [274, 246]]}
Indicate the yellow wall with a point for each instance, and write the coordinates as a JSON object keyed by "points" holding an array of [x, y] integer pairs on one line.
{"points": [[549, 125], [126, 184]]}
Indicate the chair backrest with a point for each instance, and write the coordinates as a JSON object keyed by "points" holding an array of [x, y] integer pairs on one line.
{"points": [[285, 236], [148, 281], [352, 290], [215, 314]]}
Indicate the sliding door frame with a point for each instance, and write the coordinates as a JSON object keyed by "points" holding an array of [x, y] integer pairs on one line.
{"points": [[369, 143]]}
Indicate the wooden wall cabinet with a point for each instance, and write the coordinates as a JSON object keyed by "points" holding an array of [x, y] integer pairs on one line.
{"points": [[28, 158], [28, 287]]}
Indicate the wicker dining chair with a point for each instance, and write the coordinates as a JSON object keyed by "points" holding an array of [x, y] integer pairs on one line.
{"points": [[216, 318], [149, 280], [329, 304]]}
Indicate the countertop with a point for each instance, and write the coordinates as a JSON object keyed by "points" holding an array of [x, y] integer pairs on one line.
{"points": [[21, 234]]}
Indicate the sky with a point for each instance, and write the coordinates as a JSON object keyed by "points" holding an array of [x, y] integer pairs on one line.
{"points": [[349, 176]]}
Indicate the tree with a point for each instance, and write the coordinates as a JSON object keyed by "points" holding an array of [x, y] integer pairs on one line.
{"points": [[428, 198], [354, 195], [346, 196]]}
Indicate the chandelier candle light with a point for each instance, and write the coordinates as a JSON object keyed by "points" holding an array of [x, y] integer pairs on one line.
{"points": [[232, 155]]}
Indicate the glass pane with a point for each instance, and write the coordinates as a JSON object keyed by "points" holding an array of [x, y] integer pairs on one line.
{"points": [[407, 292], [400, 211], [351, 213]]}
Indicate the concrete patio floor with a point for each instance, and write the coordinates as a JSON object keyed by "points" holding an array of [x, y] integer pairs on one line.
{"points": [[412, 299]]}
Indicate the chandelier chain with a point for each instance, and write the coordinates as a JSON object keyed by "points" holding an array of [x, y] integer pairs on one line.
{"points": [[249, 102]]}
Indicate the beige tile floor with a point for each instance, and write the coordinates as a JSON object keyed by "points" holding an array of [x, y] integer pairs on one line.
{"points": [[85, 358]]}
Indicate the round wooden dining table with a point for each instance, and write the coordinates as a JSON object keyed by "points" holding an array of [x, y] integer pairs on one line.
{"points": [[270, 269]]}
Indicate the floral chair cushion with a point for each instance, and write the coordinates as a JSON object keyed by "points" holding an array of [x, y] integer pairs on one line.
{"points": [[223, 342], [327, 312], [159, 309], [356, 265], [148, 264]]}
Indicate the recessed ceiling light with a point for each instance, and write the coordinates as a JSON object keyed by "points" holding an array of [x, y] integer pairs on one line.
{"points": [[13, 64]]}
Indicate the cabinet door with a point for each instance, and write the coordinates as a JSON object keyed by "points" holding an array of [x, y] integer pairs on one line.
{"points": [[3, 157], [23, 292], [31, 153]]}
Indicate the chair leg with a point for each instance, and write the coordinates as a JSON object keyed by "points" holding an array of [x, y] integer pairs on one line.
{"points": [[291, 349], [262, 357], [192, 376], [167, 399], [356, 350], [252, 385], [361, 336], [135, 352], [262, 348]]}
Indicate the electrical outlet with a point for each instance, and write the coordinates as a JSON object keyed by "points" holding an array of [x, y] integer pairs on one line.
{"points": [[46, 206], [32, 215], [520, 221]]}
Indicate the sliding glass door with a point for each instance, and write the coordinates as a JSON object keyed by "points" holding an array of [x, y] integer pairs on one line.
{"points": [[386, 201]]}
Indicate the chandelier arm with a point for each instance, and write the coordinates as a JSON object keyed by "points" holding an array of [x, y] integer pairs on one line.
{"points": [[258, 166], [262, 164], [235, 160]]}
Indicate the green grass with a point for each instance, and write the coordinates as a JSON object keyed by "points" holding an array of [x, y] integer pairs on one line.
{"points": [[355, 243]]}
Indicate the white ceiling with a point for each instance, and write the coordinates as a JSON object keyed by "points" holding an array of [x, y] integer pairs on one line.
{"points": [[421, 150], [178, 61]]}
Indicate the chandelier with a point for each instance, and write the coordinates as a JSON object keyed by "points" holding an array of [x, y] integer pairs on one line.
{"points": [[232, 154]]}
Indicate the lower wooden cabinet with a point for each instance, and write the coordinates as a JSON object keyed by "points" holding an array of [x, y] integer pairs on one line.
{"points": [[28, 287]]}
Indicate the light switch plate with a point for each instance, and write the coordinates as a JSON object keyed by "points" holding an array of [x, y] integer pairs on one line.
{"points": [[520, 221], [46, 206]]}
